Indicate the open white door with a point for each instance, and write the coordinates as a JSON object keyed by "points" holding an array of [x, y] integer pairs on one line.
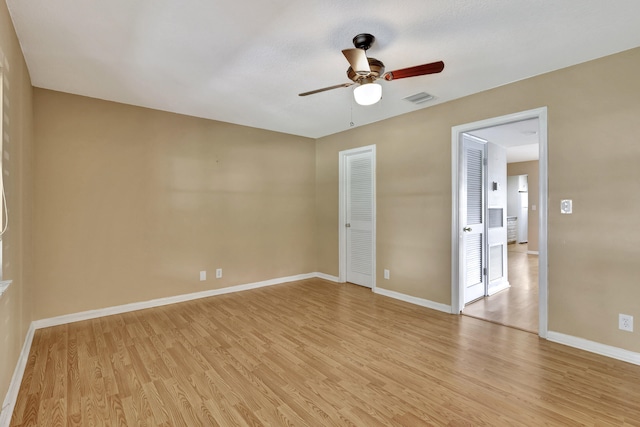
{"points": [[357, 216], [472, 234]]}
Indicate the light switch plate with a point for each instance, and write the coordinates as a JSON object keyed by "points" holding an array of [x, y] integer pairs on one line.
{"points": [[566, 206]]}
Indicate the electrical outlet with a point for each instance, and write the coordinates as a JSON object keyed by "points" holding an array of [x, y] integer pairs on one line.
{"points": [[566, 207], [203, 276], [625, 322], [386, 274], [218, 273]]}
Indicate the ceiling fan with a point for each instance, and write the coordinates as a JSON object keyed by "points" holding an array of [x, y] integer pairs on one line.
{"points": [[365, 71]]}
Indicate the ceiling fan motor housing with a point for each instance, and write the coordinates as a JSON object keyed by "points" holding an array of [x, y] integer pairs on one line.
{"points": [[377, 70]]}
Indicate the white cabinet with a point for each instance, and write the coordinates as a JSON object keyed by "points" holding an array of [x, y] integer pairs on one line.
{"points": [[512, 229]]}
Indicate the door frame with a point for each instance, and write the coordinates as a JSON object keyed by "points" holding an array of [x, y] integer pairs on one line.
{"points": [[342, 212], [456, 131]]}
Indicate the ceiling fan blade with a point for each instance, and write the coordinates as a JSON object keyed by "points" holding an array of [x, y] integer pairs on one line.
{"points": [[358, 60], [326, 88], [418, 70]]}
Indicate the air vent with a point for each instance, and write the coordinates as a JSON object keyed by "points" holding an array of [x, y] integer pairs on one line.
{"points": [[419, 98]]}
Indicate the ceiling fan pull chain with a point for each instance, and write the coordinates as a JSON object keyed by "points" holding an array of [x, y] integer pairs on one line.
{"points": [[351, 122]]}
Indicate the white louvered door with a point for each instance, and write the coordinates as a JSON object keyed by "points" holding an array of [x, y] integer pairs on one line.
{"points": [[472, 213], [359, 218]]}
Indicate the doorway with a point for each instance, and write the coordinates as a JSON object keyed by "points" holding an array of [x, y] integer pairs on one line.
{"points": [[458, 223], [357, 216], [516, 305]]}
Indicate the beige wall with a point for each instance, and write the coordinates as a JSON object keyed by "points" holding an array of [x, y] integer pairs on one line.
{"points": [[16, 304], [593, 158], [132, 203], [532, 169]]}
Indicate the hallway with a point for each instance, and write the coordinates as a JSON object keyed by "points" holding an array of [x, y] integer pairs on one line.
{"points": [[517, 306]]}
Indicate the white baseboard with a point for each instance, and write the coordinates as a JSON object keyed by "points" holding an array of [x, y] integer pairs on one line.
{"points": [[14, 386], [118, 309], [327, 277], [533, 253], [595, 347], [414, 300], [4, 285]]}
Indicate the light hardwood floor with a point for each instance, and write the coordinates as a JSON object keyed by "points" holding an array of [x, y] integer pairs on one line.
{"points": [[517, 306], [314, 353]]}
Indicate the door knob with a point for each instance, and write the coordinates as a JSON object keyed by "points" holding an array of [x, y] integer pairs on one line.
{"points": [[466, 229]]}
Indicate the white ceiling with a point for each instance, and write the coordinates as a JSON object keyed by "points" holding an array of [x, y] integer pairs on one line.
{"points": [[245, 62], [521, 139]]}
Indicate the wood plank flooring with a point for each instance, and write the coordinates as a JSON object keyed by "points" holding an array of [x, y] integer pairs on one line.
{"points": [[517, 306], [314, 353]]}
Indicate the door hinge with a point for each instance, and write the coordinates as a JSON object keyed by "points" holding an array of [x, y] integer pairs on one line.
{"points": [[484, 271], [484, 161]]}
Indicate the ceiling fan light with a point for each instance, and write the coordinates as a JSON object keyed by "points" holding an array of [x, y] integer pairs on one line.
{"points": [[367, 94]]}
